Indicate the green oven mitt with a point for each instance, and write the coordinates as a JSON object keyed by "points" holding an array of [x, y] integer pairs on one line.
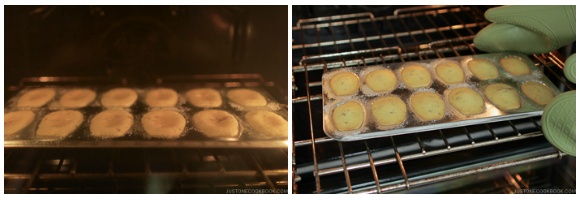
{"points": [[539, 29], [559, 118], [527, 29], [570, 68], [559, 122]]}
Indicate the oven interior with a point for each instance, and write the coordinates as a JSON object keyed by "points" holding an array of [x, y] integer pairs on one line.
{"points": [[146, 46], [500, 157]]}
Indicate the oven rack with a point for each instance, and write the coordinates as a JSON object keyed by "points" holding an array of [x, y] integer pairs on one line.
{"points": [[361, 39], [170, 170]]}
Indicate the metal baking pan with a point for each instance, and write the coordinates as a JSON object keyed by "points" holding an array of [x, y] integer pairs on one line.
{"points": [[452, 117], [135, 137]]}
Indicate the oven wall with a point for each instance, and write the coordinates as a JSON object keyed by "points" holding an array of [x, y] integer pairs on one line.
{"points": [[144, 42]]}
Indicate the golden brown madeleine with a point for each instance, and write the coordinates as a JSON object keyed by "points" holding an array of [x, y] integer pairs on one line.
{"points": [[77, 98], [450, 73], [15, 121], [204, 98], [344, 83], [246, 97], [119, 97], [381, 80], [416, 76], [515, 66], [60, 123], [267, 123], [483, 69], [389, 111], [348, 116], [428, 106], [466, 100], [537, 92], [163, 123], [36, 98], [111, 123], [503, 96], [216, 124], [161, 97]]}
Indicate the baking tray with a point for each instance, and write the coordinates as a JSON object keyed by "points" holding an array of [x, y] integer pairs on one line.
{"points": [[452, 118], [136, 137]]}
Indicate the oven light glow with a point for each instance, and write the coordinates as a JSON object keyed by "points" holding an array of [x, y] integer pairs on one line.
{"points": [[219, 22], [209, 159], [518, 177], [44, 79], [54, 162], [57, 162], [457, 27], [424, 46], [233, 84]]}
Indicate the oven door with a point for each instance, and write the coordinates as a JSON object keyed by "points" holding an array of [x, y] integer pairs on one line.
{"points": [[502, 157]]}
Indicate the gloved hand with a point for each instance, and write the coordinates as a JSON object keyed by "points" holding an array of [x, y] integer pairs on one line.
{"points": [[530, 30], [527, 29], [539, 29]]}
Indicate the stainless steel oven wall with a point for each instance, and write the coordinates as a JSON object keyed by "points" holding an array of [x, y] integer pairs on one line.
{"points": [[144, 42]]}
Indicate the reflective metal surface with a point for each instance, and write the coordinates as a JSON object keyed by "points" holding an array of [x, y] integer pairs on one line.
{"points": [[452, 117]]}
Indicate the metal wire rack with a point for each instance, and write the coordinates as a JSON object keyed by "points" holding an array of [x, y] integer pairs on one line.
{"points": [[162, 170], [322, 165]]}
